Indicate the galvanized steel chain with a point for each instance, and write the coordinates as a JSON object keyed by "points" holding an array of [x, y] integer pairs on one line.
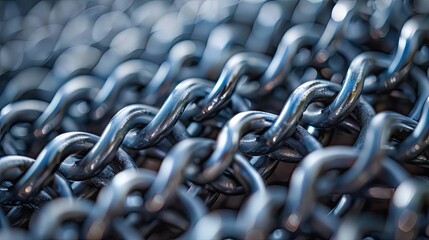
{"points": [[207, 119]]}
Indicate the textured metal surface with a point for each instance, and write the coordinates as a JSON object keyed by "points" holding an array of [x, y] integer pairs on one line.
{"points": [[206, 119]]}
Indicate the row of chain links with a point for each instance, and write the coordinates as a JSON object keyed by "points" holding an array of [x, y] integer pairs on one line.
{"points": [[206, 119]]}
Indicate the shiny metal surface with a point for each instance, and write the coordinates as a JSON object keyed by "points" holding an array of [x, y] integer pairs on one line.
{"points": [[205, 119]]}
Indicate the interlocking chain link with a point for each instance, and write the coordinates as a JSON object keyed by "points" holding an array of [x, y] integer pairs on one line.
{"points": [[205, 119]]}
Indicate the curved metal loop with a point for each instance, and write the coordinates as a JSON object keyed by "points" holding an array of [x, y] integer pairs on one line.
{"points": [[111, 201], [221, 44], [369, 162], [350, 91], [109, 142], [237, 66], [175, 168], [59, 186], [414, 31], [248, 179], [418, 141], [422, 92], [180, 54], [194, 207], [228, 141], [364, 114], [301, 204], [22, 111], [307, 183], [294, 39], [79, 88], [168, 115], [341, 15], [292, 112], [247, 175], [294, 109], [301, 141], [48, 161], [266, 27], [129, 73]]}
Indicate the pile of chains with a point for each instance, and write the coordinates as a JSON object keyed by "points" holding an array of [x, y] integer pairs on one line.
{"points": [[239, 119]]}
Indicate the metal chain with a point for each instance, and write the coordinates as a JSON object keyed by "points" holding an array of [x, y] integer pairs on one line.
{"points": [[205, 119]]}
